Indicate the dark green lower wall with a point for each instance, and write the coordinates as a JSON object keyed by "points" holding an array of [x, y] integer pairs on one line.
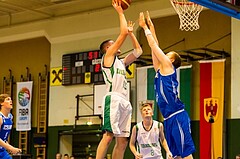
{"points": [[195, 135], [14, 140], [232, 139], [53, 139]]}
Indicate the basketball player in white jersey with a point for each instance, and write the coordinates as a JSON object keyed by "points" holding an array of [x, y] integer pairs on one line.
{"points": [[117, 109], [147, 135]]}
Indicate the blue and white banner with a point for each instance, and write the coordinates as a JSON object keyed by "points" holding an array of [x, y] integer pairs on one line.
{"points": [[23, 109]]}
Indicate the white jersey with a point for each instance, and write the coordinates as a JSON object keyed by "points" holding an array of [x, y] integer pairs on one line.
{"points": [[115, 77], [148, 142]]}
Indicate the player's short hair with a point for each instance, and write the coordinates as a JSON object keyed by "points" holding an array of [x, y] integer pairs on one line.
{"points": [[143, 105], [177, 59], [103, 45], [3, 97]]}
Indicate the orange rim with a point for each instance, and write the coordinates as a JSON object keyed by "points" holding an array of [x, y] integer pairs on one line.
{"points": [[183, 3]]}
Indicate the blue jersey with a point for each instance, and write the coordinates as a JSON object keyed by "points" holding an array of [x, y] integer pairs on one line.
{"points": [[167, 94], [6, 127]]}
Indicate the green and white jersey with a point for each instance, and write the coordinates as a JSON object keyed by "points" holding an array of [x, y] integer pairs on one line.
{"points": [[147, 142], [115, 77]]}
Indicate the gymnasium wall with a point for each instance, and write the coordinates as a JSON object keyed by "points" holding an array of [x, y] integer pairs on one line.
{"points": [[86, 31], [17, 56]]}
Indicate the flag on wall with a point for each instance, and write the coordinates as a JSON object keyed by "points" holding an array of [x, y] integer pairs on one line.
{"points": [[23, 113], [184, 75], [145, 87], [211, 108]]}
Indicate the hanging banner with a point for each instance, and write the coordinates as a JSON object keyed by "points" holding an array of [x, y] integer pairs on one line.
{"points": [[211, 108], [184, 75], [23, 109]]}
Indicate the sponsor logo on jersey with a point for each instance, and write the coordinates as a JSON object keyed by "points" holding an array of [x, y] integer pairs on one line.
{"points": [[7, 127], [149, 145]]}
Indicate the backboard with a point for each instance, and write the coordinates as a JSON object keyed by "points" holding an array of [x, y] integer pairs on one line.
{"points": [[227, 7]]}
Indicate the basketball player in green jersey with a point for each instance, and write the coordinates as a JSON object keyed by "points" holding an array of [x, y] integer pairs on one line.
{"points": [[117, 109]]}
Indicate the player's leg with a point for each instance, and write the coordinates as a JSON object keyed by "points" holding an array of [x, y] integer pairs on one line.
{"points": [[189, 157], [120, 147], [108, 135], [103, 145], [124, 126], [170, 135], [184, 138]]}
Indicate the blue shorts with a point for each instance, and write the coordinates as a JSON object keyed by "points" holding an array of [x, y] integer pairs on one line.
{"points": [[178, 135], [4, 155]]}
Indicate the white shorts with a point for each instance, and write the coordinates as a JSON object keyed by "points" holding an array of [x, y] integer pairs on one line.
{"points": [[117, 114]]}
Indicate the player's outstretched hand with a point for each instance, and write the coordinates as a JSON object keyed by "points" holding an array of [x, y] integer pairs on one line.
{"points": [[117, 5], [149, 21], [142, 22], [130, 26]]}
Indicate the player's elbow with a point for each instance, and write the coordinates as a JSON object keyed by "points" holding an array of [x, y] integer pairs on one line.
{"points": [[137, 52]]}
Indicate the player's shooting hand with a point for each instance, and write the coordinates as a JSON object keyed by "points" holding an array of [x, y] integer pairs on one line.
{"points": [[130, 26], [142, 22], [117, 5]]}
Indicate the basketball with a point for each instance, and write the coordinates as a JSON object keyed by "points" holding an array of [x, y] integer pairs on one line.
{"points": [[125, 4]]}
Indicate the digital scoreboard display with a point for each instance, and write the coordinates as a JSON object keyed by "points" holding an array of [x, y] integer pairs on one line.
{"points": [[82, 68]]}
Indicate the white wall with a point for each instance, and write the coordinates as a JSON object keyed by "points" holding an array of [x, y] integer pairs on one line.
{"points": [[235, 66]]}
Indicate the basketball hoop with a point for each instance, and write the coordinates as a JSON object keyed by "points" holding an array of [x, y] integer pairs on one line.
{"points": [[188, 13]]}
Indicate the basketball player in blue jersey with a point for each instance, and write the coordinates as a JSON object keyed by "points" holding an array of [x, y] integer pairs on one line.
{"points": [[176, 119], [5, 127], [117, 109], [147, 135]]}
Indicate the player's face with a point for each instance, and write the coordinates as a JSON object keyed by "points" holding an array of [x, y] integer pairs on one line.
{"points": [[147, 111], [7, 103], [110, 43], [58, 156]]}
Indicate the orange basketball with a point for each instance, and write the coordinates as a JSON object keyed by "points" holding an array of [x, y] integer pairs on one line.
{"points": [[125, 4]]}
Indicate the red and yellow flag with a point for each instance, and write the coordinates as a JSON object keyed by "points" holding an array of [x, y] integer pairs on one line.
{"points": [[211, 108]]}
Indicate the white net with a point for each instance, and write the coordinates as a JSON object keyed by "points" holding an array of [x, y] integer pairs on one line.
{"points": [[188, 13]]}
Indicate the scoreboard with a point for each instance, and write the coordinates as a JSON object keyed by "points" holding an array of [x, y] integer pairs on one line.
{"points": [[82, 68]]}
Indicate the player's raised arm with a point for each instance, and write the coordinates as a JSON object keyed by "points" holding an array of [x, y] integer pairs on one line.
{"points": [[111, 51], [156, 63], [137, 50], [164, 62]]}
